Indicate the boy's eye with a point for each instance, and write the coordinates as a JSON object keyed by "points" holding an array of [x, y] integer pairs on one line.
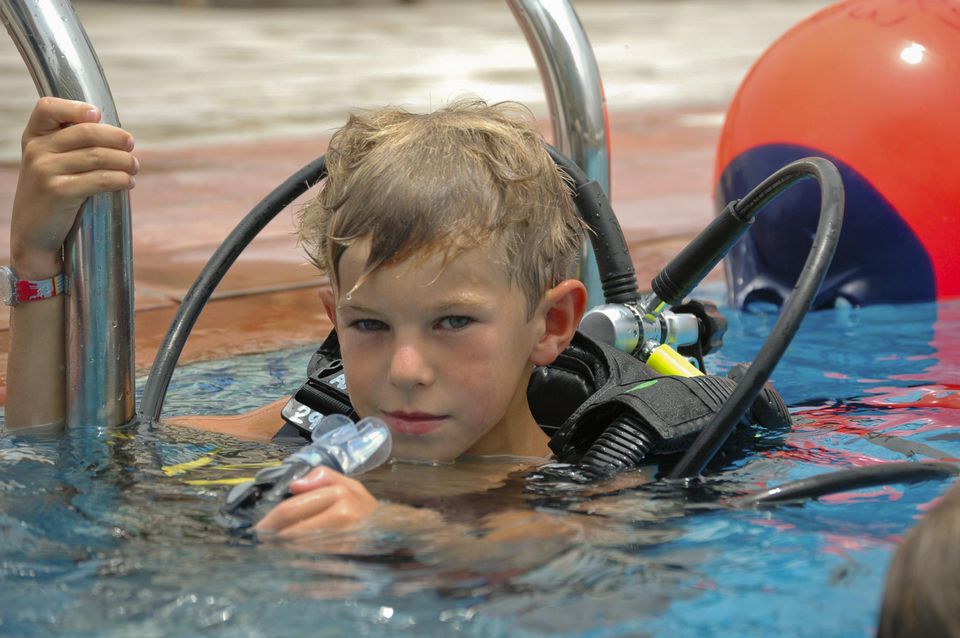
{"points": [[454, 323], [368, 325]]}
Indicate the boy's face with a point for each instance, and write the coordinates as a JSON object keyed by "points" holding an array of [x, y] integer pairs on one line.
{"points": [[442, 354]]}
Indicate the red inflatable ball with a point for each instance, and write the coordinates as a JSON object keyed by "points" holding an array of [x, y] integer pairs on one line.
{"points": [[874, 86]]}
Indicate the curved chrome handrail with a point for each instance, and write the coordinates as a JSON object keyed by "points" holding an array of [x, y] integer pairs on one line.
{"points": [[98, 252], [578, 110]]}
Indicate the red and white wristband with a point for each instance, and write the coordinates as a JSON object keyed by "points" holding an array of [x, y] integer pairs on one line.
{"points": [[14, 290]]}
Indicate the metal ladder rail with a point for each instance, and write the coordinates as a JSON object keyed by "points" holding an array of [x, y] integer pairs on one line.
{"points": [[578, 110]]}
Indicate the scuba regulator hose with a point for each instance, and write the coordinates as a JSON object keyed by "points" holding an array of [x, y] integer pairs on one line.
{"points": [[847, 480], [713, 243], [617, 276]]}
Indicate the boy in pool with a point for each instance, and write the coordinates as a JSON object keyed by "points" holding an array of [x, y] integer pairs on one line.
{"points": [[449, 240]]}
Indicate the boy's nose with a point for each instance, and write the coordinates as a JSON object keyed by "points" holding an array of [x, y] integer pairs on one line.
{"points": [[409, 366]]}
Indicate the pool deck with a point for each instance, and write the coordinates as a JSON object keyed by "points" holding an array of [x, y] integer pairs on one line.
{"points": [[198, 178]]}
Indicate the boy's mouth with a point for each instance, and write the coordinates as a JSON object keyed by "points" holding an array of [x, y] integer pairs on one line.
{"points": [[413, 423]]}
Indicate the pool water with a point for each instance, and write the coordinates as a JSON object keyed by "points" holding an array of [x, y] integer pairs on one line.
{"points": [[123, 538]]}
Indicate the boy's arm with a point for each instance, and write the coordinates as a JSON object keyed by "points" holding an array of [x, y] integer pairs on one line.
{"points": [[259, 425], [35, 363], [67, 157]]}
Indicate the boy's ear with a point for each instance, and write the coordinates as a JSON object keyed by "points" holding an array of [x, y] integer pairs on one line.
{"points": [[562, 308], [329, 300]]}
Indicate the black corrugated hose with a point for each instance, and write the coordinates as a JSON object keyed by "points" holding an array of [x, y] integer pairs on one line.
{"points": [[193, 302], [712, 438]]}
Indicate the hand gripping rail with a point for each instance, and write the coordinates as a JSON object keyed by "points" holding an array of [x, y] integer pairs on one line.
{"points": [[98, 252]]}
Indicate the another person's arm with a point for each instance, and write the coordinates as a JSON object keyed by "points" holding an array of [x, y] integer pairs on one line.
{"points": [[67, 157]]}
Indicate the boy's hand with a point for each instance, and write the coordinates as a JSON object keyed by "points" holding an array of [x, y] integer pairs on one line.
{"points": [[67, 157], [323, 499]]}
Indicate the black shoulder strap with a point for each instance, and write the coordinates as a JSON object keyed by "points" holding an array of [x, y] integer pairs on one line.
{"points": [[581, 371], [325, 392]]}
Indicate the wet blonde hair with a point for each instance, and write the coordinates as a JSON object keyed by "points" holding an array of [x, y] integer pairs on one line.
{"points": [[922, 592], [467, 175]]}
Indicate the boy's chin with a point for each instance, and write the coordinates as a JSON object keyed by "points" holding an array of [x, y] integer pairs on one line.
{"points": [[423, 454]]}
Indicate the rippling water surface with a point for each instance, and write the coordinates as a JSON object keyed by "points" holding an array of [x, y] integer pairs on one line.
{"points": [[123, 538]]}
